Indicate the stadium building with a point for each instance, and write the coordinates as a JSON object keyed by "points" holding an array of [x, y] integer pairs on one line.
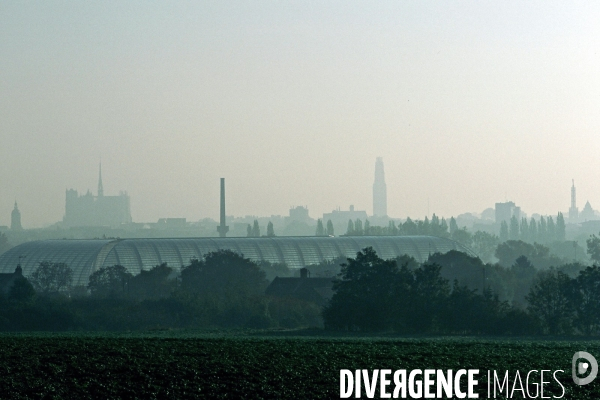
{"points": [[86, 256]]}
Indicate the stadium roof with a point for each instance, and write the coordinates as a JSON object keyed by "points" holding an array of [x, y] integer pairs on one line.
{"points": [[86, 256]]}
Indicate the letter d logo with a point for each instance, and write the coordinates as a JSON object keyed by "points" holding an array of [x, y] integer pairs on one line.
{"points": [[582, 367]]}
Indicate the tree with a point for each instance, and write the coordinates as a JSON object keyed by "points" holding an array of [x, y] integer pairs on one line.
{"points": [[109, 282], [367, 228], [320, 229], [429, 291], [274, 269], [508, 252], [437, 227], [523, 274], [156, 283], [560, 227], [459, 266], [410, 228], [52, 278], [350, 230], [533, 232], [524, 230], [249, 231], [484, 244], [392, 229], [514, 228], [444, 228], [329, 228], [503, 231], [551, 236], [366, 295], [462, 236], [223, 276], [542, 230], [453, 225], [21, 291], [270, 230], [255, 229], [587, 300], [593, 248], [550, 300], [425, 228], [358, 228]]}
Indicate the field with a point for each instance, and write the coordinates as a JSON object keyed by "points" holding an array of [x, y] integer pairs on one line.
{"points": [[254, 366]]}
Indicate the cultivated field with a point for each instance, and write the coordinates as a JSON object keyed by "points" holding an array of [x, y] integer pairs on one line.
{"points": [[255, 365]]}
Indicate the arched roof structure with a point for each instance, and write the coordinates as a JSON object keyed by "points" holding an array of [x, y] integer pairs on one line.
{"points": [[86, 256]]}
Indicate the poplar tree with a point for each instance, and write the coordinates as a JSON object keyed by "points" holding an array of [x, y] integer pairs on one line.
{"points": [[560, 227], [524, 230], [542, 230], [453, 225], [350, 230], [320, 230], [329, 228], [503, 231], [514, 228], [551, 230], [533, 232], [358, 227], [270, 230], [255, 229]]}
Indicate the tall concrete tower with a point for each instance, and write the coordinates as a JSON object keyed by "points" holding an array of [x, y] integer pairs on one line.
{"points": [[100, 187], [222, 228], [379, 190], [573, 211]]}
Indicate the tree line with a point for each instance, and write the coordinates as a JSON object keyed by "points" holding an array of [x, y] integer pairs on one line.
{"points": [[544, 230], [221, 290], [454, 293]]}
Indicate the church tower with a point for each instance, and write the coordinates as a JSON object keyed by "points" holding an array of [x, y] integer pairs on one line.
{"points": [[379, 190], [100, 187], [15, 219], [573, 211]]}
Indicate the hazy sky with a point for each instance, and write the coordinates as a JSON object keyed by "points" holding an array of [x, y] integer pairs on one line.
{"points": [[468, 102]]}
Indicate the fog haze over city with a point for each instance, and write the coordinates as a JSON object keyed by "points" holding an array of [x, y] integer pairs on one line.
{"points": [[468, 104]]}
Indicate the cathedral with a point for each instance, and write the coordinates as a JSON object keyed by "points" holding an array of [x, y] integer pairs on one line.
{"points": [[89, 210]]}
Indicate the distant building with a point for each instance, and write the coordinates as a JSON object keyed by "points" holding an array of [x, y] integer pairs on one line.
{"points": [[299, 214], [299, 223], [8, 279], [315, 290], [15, 219], [340, 218], [90, 210], [587, 214], [171, 223], [573, 211], [505, 211], [379, 190]]}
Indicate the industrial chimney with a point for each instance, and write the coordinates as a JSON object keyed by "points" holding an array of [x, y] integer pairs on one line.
{"points": [[222, 228]]}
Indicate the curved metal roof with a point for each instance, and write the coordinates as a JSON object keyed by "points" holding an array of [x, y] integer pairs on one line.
{"points": [[86, 256]]}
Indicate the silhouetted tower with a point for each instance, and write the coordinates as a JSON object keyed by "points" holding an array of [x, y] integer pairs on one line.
{"points": [[15, 219], [379, 190], [222, 228], [100, 187], [573, 211]]}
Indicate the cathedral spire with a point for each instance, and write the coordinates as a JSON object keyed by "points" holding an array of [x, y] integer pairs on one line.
{"points": [[15, 219], [573, 211], [100, 187]]}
